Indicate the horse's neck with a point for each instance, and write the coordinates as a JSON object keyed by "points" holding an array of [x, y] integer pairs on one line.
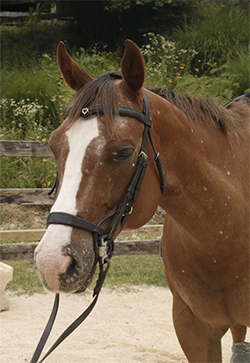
{"points": [[202, 192]]}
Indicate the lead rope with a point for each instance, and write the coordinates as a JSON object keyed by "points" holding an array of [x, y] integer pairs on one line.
{"points": [[47, 331], [74, 325]]}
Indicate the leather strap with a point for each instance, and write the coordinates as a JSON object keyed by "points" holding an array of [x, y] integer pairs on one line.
{"points": [[73, 326], [46, 332], [73, 221], [123, 111]]}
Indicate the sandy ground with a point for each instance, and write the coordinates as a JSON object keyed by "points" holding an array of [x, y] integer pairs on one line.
{"points": [[132, 325]]}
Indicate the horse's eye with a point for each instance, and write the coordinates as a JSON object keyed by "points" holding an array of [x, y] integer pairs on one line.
{"points": [[123, 154]]}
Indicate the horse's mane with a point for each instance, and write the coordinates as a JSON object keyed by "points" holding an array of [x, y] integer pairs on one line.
{"points": [[232, 120]]}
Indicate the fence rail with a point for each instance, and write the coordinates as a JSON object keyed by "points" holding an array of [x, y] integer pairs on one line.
{"points": [[25, 251], [26, 196], [21, 251], [25, 148]]}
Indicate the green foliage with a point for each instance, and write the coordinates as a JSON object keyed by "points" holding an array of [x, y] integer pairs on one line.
{"points": [[25, 280], [238, 71], [170, 66], [216, 32], [96, 62], [136, 270], [22, 44], [26, 172], [165, 61], [32, 93]]}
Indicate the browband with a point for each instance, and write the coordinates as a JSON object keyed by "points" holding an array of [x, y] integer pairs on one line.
{"points": [[123, 111]]}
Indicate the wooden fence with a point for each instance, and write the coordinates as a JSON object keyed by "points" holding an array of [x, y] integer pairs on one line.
{"points": [[21, 251]]}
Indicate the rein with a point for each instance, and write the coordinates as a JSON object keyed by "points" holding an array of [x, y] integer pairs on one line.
{"points": [[103, 240]]}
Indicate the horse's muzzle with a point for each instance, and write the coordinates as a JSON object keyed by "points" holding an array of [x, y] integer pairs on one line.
{"points": [[64, 267]]}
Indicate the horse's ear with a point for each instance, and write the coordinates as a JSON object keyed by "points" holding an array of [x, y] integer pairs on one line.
{"points": [[74, 75], [132, 66]]}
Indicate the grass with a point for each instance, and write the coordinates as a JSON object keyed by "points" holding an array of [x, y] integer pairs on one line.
{"points": [[25, 280], [125, 271], [136, 270]]}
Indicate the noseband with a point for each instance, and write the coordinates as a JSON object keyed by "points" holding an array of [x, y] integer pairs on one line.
{"points": [[103, 240]]}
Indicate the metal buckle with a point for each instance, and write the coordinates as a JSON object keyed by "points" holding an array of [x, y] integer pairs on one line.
{"points": [[144, 154], [157, 156], [105, 249]]}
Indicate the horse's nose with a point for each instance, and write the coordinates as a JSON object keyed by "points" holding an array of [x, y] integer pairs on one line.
{"points": [[52, 268], [65, 259], [57, 263]]}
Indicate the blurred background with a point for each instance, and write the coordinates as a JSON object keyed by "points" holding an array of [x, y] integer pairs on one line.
{"points": [[197, 47]]}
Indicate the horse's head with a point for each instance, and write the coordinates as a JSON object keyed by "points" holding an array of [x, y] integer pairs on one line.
{"points": [[96, 150]]}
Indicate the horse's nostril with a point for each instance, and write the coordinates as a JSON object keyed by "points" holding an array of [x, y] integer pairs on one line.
{"points": [[66, 262], [73, 269]]}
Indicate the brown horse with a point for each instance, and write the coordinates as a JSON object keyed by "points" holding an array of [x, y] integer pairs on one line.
{"points": [[205, 157]]}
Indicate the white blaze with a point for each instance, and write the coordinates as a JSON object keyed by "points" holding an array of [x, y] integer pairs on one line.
{"points": [[50, 262], [79, 136]]}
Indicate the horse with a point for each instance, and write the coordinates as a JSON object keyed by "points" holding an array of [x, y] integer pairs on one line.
{"points": [[124, 149]]}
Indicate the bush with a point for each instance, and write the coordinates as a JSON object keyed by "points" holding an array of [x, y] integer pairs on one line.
{"points": [[22, 45], [33, 99], [164, 60], [217, 33], [26, 172], [169, 66]]}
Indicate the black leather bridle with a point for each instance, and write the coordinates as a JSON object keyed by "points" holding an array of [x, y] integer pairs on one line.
{"points": [[102, 239]]}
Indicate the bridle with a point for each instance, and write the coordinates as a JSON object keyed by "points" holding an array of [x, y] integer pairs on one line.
{"points": [[103, 240]]}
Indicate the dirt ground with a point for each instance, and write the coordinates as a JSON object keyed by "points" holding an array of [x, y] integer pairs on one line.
{"points": [[127, 325]]}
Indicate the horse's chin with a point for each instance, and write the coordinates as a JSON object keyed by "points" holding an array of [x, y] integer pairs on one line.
{"points": [[71, 286]]}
